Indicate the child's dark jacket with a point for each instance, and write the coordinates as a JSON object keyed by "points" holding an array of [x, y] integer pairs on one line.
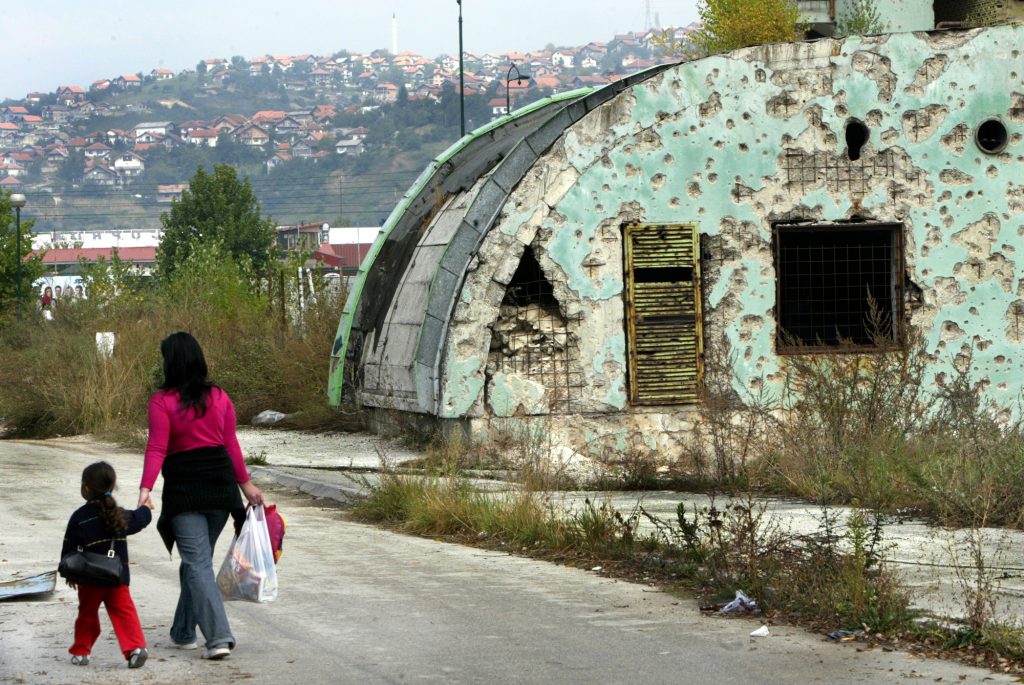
{"points": [[87, 530]]}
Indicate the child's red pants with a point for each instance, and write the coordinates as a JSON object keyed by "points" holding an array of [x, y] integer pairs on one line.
{"points": [[121, 610]]}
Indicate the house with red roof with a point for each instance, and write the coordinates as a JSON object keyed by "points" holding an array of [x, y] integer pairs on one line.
{"points": [[277, 160], [386, 92], [69, 95], [202, 136], [97, 151], [268, 116], [322, 113], [100, 175], [129, 165], [321, 77], [11, 183], [9, 132], [226, 123], [252, 135], [12, 113], [161, 74], [498, 107], [12, 169], [126, 82]]}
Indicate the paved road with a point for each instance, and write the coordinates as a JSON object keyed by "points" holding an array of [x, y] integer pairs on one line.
{"points": [[362, 605]]}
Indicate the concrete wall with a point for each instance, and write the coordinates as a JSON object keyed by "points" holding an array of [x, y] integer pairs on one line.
{"points": [[736, 142]]}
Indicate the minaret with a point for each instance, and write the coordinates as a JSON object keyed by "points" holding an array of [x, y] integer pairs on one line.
{"points": [[394, 34]]}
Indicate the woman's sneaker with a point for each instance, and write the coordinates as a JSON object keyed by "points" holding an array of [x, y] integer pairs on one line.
{"points": [[137, 658], [80, 660], [218, 652]]}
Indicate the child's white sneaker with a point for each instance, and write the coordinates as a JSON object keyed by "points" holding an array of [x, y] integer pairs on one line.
{"points": [[137, 658], [218, 652], [80, 660], [194, 644]]}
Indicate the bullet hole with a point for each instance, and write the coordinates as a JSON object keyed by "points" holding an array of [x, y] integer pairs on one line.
{"points": [[991, 136], [857, 135]]}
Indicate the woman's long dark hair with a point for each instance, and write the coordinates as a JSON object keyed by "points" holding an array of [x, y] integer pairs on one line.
{"points": [[98, 481], [185, 371]]}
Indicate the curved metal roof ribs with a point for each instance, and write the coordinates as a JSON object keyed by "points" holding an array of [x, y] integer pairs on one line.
{"points": [[494, 159], [479, 219], [455, 169]]}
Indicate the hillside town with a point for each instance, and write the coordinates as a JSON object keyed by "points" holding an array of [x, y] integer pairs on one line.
{"points": [[53, 141]]}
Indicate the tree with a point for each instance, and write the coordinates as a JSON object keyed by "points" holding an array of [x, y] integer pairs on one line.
{"points": [[860, 19], [72, 167], [732, 24], [31, 267], [216, 208]]}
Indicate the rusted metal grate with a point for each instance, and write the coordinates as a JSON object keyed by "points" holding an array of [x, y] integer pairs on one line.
{"points": [[663, 313], [531, 339], [839, 286]]}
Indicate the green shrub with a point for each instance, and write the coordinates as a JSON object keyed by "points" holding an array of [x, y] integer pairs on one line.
{"points": [[53, 381]]}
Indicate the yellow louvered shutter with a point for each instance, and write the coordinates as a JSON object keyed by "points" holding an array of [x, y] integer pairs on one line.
{"points": [[663, 313]]}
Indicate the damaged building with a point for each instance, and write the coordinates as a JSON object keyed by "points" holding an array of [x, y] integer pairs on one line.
{"points": [[577, 262]]}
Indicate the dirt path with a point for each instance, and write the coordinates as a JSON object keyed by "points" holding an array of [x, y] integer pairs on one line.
{"points": [[363, 605]]}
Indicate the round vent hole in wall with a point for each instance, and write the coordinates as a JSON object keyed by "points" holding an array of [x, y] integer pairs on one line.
{"points": [[991, 136]]}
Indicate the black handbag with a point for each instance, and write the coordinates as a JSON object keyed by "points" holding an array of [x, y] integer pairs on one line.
{"points": [[92, 568]]}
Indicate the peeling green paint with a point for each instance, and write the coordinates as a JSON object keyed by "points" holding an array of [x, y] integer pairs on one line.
{"points": [[510, 393], [613, 351], [466, 383]]}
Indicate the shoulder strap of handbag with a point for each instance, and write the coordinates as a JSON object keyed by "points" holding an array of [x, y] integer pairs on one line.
{"points": [[110, 552]]}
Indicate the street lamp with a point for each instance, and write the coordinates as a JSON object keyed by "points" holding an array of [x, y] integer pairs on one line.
{"points": [[462, 86], [18, 201], [520, 77]]}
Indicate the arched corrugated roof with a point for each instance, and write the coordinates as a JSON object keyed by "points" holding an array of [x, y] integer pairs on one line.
{"points": [[407, 286]]}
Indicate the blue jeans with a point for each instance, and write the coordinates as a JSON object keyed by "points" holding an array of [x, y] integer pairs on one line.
{"points": [[199, 603]]}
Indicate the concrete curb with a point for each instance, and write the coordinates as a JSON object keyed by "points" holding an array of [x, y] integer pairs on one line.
{"points": [[346, 494]]}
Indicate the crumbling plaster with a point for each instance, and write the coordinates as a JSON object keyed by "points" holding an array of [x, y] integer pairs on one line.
{"points": [[738, 141]]}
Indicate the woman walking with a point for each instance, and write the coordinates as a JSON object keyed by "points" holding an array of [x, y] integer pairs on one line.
{"points": [[192, 441]]}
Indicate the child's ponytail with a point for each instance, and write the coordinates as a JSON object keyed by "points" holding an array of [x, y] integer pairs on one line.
{"points": [[98, 482], [112, 515]]}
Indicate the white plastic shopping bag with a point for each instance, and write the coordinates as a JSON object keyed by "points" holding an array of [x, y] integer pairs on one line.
{"points": [[248, 570]]}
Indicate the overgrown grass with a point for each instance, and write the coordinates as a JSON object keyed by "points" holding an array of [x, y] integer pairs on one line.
{"points": [[865, 428], [53, 381], [836, 579]]}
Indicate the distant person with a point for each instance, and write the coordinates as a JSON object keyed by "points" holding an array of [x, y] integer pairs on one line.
{"points": [[192, 441], [93, 527], [46, 301], [80, 292], [57, 293]]}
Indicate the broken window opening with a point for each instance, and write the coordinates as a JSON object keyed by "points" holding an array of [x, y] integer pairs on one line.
{"points": [[531, 339], [839, 287], [663, 313], [857, 135], [991, 136]]}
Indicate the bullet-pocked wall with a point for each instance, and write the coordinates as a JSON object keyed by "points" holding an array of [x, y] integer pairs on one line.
{"points": [[906, 147]]}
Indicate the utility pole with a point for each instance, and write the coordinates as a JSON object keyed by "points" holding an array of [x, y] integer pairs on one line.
{"points": [[462, 85], [17, 200]]}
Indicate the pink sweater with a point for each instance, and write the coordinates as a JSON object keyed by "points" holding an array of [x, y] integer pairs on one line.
{"points": [[172, 430]]}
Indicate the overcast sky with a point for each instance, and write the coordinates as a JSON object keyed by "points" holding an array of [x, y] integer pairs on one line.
{"points": [[47, 44]]}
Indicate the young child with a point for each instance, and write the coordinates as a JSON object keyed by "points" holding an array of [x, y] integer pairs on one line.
{"points": [[91, 528]]}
